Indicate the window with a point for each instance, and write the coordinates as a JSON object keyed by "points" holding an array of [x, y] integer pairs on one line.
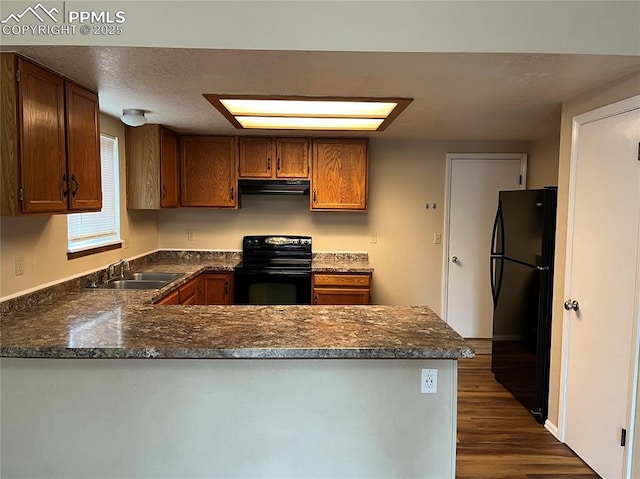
{"points": [[94, 230]]}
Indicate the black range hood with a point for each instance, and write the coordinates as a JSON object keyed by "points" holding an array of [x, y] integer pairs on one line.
{"points": [[273, 187]]}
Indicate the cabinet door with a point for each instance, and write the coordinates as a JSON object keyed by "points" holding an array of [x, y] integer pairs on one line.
{"points": [[326, 296], [255, 157], [208, 173], [292, 158], [83, 149], [169, 169], [143, 168], [43, 167], [339, 174], [218, 288]]}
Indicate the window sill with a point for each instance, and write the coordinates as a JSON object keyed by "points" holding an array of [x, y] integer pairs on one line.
{"points": [[90, 251]]}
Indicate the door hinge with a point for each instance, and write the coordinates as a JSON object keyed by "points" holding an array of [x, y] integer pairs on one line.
{"points": [[21, 194], [623, 438], [520, 180], [18, 75]]}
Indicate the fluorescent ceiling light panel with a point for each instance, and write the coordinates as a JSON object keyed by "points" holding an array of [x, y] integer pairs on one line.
{"points": [[308, 113], [306, 123], [306, 108]]}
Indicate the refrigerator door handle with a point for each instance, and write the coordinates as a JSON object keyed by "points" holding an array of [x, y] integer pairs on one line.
{"points": [[495, 231], [496, 283], [493, 284], [499, 284]]}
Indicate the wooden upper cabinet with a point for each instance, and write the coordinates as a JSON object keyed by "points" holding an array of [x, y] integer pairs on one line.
{"points": [[292, 158], [339, 174], [268, 158], [255, 157], [208, 171], [169, 169], [50, 160], [83, 149], [152, 167], [43, 164]]}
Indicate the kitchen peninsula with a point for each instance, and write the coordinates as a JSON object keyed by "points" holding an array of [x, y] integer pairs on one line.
{"points": [[321, 391]]}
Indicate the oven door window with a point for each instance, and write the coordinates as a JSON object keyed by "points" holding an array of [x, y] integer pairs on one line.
{"points": [[272, 293], [256, 288]]}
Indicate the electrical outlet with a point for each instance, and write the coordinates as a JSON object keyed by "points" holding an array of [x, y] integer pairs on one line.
{"points": [[19, 265], [429, 382], [374, 238], [191, 236]]}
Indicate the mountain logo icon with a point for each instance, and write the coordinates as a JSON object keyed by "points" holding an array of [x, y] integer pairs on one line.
{"points": [[39, 11]]}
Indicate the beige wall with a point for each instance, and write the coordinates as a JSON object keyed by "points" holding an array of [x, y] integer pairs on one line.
{"points": [[42, 240], [170, 418], [542, 166], [404, 175], [619, 90]]}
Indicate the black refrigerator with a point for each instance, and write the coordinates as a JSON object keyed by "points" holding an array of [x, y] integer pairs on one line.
{"points": [[522, 251]]}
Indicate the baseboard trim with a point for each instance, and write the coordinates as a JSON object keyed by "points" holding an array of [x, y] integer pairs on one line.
{"points": [[552, 428]]}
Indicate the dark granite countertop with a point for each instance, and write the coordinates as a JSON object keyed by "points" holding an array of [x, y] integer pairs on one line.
{"points": [[84, 323], [341, 263]]}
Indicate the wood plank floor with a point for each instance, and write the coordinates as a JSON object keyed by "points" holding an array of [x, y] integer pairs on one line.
{"points": [[499, 439]]}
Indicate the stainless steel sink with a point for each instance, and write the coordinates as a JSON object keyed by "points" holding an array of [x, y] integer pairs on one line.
{"points": [[142, 280], [152, 276], [132, 284]]}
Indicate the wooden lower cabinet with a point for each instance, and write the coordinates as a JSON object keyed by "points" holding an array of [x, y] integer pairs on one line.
{"points": [[171, 298], [191, 293], [218, 288], [341, 288], [204, 289]]}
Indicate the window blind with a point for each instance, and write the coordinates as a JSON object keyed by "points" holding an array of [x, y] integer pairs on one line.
{"points": [[91, 230]]}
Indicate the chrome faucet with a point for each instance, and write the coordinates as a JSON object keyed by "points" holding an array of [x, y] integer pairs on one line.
{"points": [[123, 266]]}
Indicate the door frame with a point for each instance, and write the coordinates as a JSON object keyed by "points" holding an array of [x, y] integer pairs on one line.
{"points": [[447, 208], [613, 109]]}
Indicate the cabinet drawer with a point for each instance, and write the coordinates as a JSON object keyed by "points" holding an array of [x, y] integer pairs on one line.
{"points": [[351, 280], [171, 298], [189, 292]]}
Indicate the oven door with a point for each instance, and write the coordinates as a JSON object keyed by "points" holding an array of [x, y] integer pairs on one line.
{"points": [[272, 287]]}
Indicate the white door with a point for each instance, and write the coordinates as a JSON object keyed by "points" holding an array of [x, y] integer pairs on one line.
{"points": [[474, 182], [602, 256]]}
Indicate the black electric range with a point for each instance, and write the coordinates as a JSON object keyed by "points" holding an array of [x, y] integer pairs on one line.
{"points": [[275, 269]]}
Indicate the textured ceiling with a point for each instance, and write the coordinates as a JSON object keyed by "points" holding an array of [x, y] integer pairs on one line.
{"points": [[469, 96]]}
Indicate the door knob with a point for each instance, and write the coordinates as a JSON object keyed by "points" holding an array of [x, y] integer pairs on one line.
{"points": [[454, 259], [571, 304]]}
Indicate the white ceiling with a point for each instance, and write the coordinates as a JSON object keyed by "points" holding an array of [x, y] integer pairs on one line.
{"points": [[457, 96]]}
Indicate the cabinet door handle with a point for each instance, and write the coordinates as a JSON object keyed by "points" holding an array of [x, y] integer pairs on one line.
{"points": [[315, 196], [278, 164], [75, 190], [315, 299], [65, 185], [233, 196], [268, 164], [164, 192], [226, 288]]}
